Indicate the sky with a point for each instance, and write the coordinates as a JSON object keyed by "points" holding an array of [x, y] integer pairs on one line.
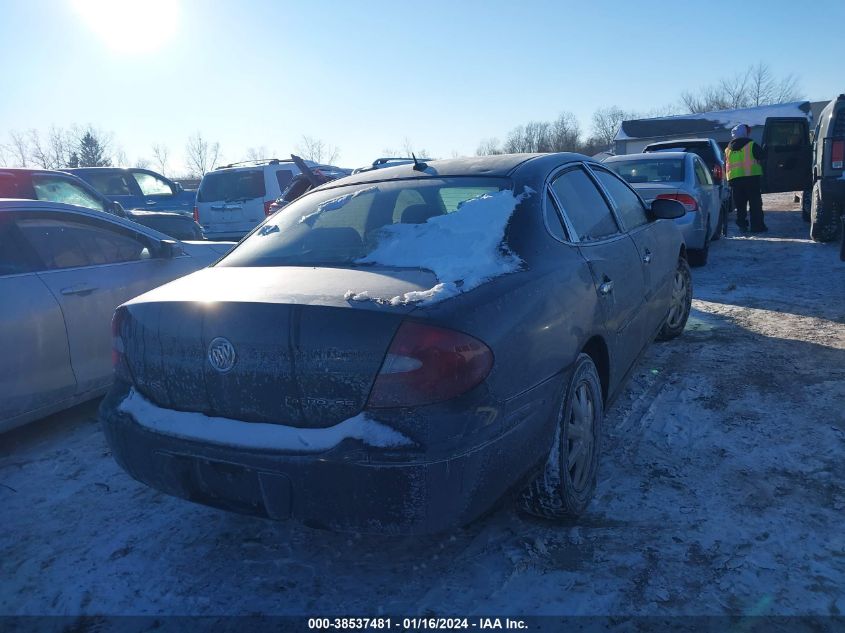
{"points": [[375, 75]]}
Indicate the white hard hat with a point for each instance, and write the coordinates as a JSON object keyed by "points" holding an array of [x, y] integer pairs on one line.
{"points": [[740, 131]]}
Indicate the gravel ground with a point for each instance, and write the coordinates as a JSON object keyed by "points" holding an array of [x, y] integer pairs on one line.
{"points": [[722, 491]]}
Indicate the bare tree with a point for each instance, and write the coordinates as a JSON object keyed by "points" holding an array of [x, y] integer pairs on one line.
{"points": [[200, 155], [38, 152], [142, 163], [60, 147], [488, 147], [565, 134], [261, 153], [755, 86], [606, 124], [160, 155], [315, 149], [18, 149]]}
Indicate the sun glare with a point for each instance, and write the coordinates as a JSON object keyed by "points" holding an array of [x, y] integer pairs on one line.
{"points": [[131, 27]]}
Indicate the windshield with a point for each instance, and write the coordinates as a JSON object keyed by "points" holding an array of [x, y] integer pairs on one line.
{"points": [[339, 226], [243, 184], [658, 170]]}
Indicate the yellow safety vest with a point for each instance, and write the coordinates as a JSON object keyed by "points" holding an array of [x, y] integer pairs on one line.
{"points": [[740, 163]]}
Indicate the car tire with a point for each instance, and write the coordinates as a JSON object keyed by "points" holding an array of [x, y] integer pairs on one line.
{"points": [[568, 481], [824, 217], [680, 303], [806, 204], [698, 256]]}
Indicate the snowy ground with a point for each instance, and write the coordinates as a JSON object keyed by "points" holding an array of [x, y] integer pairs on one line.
{"points": [[722, 491]]}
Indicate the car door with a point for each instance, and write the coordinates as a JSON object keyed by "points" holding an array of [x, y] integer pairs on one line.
{"points": [[612, 257], [91, 266], [158, 194], [708, 193], [787, 165], [657, 262], [35, 372]]}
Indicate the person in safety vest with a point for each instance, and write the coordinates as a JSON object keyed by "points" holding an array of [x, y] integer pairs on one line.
{"points": [[743, 166]]}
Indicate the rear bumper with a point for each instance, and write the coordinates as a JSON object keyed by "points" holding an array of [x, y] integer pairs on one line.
{"points": [[348, 488]]}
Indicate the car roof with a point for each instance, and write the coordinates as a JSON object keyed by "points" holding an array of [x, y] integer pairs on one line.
{"points": [[648, 156], [498, 165], [685, 141], [35, 170]]}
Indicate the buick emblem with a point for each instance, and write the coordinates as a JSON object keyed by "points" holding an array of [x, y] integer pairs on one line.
{"points": [[221, 355]]}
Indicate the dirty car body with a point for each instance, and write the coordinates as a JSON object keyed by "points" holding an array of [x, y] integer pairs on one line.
{"points": [[302, 378]]}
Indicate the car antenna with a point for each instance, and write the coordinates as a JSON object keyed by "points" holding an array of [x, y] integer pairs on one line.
{"points": [[418, 165]]}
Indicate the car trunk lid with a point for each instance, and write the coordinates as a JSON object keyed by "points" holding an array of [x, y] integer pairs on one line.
{"points": [[303, 355]]}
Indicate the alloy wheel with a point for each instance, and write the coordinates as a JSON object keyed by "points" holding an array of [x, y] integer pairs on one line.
{"points": [[581, 437]]}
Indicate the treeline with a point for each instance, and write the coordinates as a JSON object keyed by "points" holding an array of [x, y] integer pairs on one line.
{"points": [[755, 86], [61, 148]]}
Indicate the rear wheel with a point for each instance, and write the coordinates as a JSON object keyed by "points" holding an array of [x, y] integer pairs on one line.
{"points": [[568, 481], [824, 217], [680, 304], [806, 203]]}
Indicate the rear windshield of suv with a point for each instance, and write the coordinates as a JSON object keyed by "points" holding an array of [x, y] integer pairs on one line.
{"points": [[229, 186], [703, 150], [657, 170], [341, 225]]}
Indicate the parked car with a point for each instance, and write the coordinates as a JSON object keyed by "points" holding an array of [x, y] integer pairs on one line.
{"points": [[234, 199], [827, 198], [396, 350], [389, 161], [63, 271], [708, 150], [680, 176], [136, 188], [59, 186]]}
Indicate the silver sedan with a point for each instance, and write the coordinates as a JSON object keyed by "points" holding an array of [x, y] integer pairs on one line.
{"points": [[680, 176], [63, 271]]}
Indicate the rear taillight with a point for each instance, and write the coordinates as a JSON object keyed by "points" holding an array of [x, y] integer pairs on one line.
{"points": [[717, 173], [118, 357], [684, 198], [427, 364], [267, 206], [197, 215], [837, 154]]}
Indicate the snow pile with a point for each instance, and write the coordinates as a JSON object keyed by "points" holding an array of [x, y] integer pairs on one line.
{"points": [[333, 204], [228, 432], [463, 249]]}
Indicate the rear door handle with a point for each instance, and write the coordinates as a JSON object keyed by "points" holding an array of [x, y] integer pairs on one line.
{"points": [[78, 289], [606, 287]]}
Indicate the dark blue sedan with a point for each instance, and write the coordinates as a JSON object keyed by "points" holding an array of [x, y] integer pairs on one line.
{"points": [[397, 350]]}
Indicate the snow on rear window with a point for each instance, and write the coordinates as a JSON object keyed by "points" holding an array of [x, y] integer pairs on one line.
{"points": [[463, 249]]}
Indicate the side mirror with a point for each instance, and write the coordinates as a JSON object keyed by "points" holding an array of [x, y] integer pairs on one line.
{"points": [[663, 209], [118, 210], [179, 187], [171, 249]]}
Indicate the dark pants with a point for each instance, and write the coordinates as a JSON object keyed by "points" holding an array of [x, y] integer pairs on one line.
{"points": [[746, 194]]}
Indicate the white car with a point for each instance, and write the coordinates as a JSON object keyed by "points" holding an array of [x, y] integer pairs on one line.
{"points": [[234, 199], [680, 176], [63, 271]]}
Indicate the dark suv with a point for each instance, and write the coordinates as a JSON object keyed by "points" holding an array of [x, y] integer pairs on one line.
{"points": [[708, 150], [827, 199]]}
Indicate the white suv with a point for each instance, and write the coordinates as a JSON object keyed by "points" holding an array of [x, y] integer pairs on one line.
{"points": [[233, 199]]}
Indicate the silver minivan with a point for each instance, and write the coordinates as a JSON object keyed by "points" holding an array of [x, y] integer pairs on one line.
{"points": [[234, 199]]}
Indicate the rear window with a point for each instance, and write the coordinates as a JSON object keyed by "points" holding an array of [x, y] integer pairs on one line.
{"points": [[703, 150], [658, 170], [230, 186], [339, 226]]}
